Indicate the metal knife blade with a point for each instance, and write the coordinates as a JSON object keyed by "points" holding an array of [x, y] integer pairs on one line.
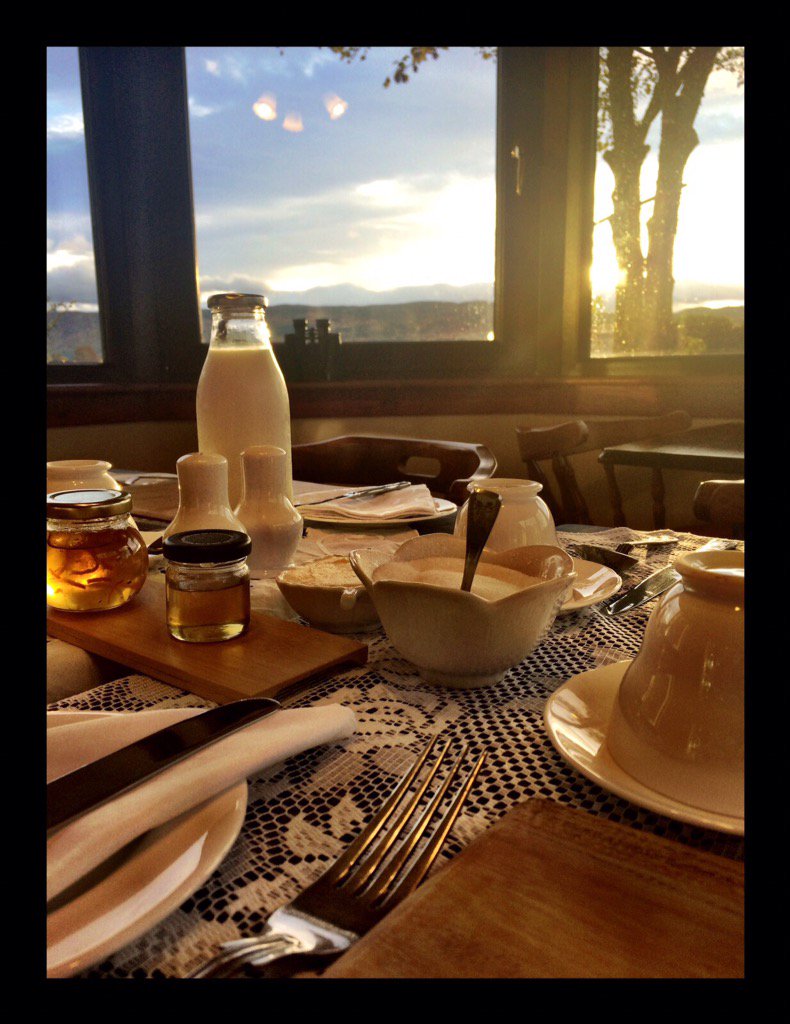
{"points": [[644, 591], [603, 556], [358, 494], [89, 787]]}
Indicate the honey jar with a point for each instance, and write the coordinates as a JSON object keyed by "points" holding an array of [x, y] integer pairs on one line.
{"points": [[207, 585], [96, 556]]}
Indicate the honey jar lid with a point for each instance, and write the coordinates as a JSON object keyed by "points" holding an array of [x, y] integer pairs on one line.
{"points": [[88, 504], [206, 547]]}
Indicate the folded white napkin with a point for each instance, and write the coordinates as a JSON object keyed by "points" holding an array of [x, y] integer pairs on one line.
{"points": [[590, 585], [86, 842], [414, 500]]}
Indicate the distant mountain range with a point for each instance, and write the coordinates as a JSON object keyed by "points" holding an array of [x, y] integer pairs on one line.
{"points": [[420, 313], [353, 295], [697, 292]]}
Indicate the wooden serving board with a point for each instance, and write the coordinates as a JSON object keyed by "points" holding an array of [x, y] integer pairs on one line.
{"points": [[553, 892], [271, 656]]}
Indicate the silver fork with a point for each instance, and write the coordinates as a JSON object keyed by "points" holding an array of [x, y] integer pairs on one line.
{"points": [[354, 893]]}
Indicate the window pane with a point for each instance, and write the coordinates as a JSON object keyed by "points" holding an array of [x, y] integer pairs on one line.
{"points": [[73, 332], [668, 242], [338, 198]]}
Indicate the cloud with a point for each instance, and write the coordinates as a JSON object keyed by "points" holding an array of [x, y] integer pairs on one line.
{"points": [[199, 109], [71, 271], [316, 60], [75, 283], [65, 126], [379, 235], [228, 66]]}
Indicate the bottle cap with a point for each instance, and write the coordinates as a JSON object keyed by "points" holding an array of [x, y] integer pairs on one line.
{"points": [[206, 547], [236, 300], [88, 504]]}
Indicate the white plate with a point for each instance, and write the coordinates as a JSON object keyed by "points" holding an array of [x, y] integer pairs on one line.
{"points": [[577, 718], [599, 580], [146, 882], [443, 509]]}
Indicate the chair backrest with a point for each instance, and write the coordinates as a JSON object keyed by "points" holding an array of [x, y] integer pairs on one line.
{"points": [[446, 467], [722, 503], [557, 442]]}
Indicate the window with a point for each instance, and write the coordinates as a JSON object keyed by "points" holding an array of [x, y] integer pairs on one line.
{"points": [[667, 270], [339, 198], [73, 334], [141, 101]]}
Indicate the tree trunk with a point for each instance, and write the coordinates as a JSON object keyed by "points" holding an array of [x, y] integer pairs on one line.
{"points": [[626, 233], [644, 319], [659, 330], [625, 157]]}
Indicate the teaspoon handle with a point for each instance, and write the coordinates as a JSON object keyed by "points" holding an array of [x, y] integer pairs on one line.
{"points": [[482, 511]]}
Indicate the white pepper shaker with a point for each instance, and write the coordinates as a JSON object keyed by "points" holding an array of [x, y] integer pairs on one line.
{"points": [[203, 495], [270, 520]]}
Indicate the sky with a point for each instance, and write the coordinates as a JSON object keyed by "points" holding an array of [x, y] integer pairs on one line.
{"points": [[343, 184]]}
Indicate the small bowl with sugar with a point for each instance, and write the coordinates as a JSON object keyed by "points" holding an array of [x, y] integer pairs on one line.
{"points": [[327, 593], [464, 639]]}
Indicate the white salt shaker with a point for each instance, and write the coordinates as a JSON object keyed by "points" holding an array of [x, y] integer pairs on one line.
{"points": [[272, 523], [203, 495]]}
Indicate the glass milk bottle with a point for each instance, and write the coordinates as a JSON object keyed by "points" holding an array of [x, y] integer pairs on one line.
{"points": [[241, 395]]}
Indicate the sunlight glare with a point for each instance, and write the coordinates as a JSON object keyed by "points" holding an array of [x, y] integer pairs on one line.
{"points": [[266, 108], [293, 122], [335, 106]]}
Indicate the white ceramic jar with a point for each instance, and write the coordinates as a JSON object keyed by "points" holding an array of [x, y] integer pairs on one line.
{"points": [[203, 495], [677, 724], [524, 518], [270, 520], [80, 475]]}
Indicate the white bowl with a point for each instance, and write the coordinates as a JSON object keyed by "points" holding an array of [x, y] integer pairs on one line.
{"points": [[337, 607], [457, 638], [677, 725]]}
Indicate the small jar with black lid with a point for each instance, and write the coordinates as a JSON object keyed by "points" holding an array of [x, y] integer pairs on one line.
{"points": [[96, 557], [207, 583]]}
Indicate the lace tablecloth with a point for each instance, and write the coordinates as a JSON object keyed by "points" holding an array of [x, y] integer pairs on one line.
{"points": [[301, 815]]}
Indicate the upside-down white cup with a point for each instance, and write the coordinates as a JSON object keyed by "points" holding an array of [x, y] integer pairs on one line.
{"points": [[677, 724]]}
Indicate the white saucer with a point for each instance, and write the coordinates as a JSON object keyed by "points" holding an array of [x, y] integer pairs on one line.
{"points": [[444, 508], [599, 580], [147, 881], [577, 717]]}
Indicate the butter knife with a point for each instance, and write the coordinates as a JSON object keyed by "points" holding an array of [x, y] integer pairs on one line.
{"points": [[358, 494], [80, 791], [660, 581], [644, 591]]}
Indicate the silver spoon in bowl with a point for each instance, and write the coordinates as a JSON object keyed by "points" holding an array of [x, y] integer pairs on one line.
{"points": [[482, 511]]}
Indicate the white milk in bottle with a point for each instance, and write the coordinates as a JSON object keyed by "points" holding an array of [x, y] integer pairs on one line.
{"points": [[241, 395]]}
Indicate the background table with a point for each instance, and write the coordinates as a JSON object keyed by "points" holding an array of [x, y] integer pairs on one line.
{"points": [[714, 449], [299, 816]]}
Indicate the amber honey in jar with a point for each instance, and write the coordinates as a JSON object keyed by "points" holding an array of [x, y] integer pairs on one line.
{"points": [[96, 557], [207, 584]]}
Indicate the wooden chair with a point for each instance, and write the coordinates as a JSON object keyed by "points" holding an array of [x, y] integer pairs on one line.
{"points": [[445, 467], [555, 444], [722, 504]]}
